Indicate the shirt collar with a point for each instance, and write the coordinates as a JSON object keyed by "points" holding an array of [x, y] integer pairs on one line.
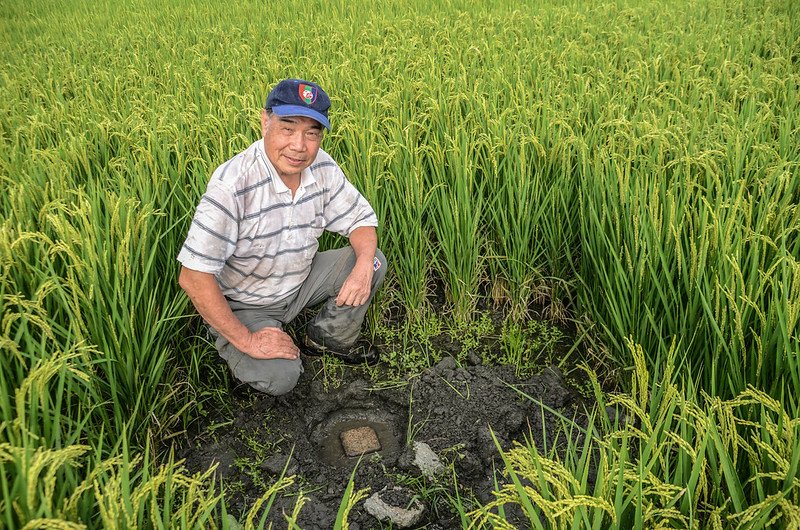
{"points": [[306, 177]]}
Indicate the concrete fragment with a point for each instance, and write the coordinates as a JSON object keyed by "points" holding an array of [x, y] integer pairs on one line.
{"points": [[381, 505], [427, 461], [359, 441]]}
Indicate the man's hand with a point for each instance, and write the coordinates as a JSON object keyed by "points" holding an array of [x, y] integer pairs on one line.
{"points": [[266, 343], [270, 343], [357, 287]]}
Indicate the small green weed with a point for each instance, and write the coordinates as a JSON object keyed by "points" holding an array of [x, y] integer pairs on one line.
{"points": [[409, 349], [526, 346], [261, 443], [472, 335], [249, 466], [332, 371]]}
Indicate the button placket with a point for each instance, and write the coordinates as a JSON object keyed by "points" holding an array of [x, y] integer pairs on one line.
{"points": [[290, 232]]}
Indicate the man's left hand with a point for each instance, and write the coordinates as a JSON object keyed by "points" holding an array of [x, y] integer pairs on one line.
{"points": [[357, 287]]}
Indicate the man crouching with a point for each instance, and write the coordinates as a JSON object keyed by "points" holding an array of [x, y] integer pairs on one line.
{"points": [[250, 262]]}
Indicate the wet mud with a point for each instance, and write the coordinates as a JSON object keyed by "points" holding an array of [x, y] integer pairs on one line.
{"points": [[461, 413]]}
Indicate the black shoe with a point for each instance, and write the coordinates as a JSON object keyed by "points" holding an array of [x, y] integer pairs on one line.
{"points": [[310, 348], [362, 352]]}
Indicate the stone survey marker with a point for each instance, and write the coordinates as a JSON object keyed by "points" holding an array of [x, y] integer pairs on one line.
{"points": [[360, 441]]}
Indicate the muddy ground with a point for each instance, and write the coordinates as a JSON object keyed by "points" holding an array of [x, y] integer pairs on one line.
{"points": [[452, 409]]}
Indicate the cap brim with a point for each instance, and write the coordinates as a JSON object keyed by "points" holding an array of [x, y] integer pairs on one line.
{"points": [[295, 110]]}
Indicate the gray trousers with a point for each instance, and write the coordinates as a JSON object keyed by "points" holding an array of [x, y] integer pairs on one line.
{"points": [[335, 327]]}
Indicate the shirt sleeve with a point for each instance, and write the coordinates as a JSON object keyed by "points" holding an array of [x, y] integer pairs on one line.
{"points": [[214, 230], [346, 209]]}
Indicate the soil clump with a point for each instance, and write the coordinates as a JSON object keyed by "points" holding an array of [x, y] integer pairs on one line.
{"points": [[448, 419]]}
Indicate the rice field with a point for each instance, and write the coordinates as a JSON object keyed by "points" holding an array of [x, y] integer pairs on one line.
{"points": [[630, 169]]}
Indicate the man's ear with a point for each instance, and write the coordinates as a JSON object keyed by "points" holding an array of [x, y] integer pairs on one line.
{"points": [[264, 120]]}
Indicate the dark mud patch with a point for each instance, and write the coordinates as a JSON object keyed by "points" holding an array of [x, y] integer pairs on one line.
{"points": [[456, 411]]}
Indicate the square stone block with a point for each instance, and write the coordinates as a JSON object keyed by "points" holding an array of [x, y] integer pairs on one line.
{"points": [[360, 441]]}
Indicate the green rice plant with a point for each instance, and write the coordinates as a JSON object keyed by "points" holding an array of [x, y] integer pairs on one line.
{"points": [[516, 214], [457, 214], [124, 315], [35, 351], [529, 216], [693, 270], [625, 166], [407, 231], [670, 458], [350, 498], [55, 481]]}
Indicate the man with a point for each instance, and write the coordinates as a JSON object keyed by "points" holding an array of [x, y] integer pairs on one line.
{"points": [[250, 262]]}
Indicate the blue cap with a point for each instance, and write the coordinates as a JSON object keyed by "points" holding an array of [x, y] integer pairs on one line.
{"points": [[297, 97]]}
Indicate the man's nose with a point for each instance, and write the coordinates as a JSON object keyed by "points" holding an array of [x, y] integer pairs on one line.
{"points": [[298, 142]]}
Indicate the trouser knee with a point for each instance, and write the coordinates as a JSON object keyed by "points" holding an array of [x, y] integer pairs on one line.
{"points": [[271, 376], [380, 273], [276, 382]]}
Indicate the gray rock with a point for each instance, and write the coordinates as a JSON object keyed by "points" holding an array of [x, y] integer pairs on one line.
{"points": [[473, 359], [448, 363], [427, 461], [381, 505]]}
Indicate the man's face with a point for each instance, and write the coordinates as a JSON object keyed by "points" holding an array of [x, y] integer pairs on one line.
{"points": [[291, 142]]}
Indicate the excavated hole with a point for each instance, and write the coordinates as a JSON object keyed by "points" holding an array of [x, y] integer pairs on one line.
{"points": [[328, 434]]}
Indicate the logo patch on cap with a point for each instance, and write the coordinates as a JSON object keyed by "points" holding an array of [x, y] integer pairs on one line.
{"points": [[308, 93]]}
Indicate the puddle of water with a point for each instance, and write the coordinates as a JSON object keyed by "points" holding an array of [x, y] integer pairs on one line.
{"points": [[332, 453]]}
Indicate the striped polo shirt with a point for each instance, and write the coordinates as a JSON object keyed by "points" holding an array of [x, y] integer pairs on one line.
{"points": [[259, 241]]}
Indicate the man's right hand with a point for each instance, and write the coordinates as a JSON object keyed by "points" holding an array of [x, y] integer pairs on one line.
{"points": [[270, 343], [266, 343]]}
